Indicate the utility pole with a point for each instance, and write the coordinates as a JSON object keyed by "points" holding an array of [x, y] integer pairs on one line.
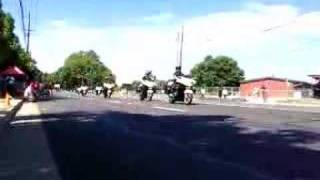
{"points": [[178, 49], [181, 47], [28, 33], [180, 40], [22, 20]]}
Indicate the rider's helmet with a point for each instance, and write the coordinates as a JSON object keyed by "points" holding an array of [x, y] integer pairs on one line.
{"points": [[178, 71], [148, 73]]}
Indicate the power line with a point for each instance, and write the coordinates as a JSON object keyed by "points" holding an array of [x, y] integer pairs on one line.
{"points": [[28, 33], [22, 20], [280, 26]]}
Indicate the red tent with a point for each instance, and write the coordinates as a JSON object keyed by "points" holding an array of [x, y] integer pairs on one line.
{"points": [[12, 71]]}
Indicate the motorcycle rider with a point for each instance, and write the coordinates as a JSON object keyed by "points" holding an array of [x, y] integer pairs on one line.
{"points": [[180, 87], [147, 88], [178, 72], [108, 87], [98, 90], [148, 76]]}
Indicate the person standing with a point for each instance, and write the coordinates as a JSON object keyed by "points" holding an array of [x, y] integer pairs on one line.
{"points": [[220, 94], [202, 92], [225, 93]]}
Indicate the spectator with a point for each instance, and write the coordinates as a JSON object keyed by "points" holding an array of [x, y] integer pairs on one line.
{"points": [[264, 94], [28, 92], [225, 93], [9, 85], [220, 94], [202, 92]]}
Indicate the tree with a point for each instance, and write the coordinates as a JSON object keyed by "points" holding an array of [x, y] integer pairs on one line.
{"points": [[127, 86], [219, 71], [135, 84], [161, 84], [11, 52], [83, 68]]}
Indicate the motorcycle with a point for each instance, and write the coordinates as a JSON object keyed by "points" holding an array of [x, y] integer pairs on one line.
{"points": [[181, 89], [83, 90], [146, 90], [107, 90], [36, 95], [99, 90]]}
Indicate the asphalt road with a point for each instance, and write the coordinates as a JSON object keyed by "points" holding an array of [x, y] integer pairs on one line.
{"points": [[93, 138]]}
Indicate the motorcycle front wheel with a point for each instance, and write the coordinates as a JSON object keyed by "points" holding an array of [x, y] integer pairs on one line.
{"points": [[171, 99], [149, 97], [141, 96], [188, 99]]}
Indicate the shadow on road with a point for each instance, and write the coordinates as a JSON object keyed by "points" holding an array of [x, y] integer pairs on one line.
{"points": [[118, 145]]}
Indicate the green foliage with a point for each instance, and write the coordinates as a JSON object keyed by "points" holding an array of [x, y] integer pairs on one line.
{"points": [[219, 71], [48, 78], [135, 84], [82, 68], [127, 86], [11, 52], [161, 84]]}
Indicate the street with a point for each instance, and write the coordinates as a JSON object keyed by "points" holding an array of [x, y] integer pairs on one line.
{"points": [[95, 138]]}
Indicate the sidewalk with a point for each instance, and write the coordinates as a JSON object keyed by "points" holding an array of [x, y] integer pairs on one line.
{"points": [[8, 113], [28, 114], [308, 102], [260, 105], [4, 110]]}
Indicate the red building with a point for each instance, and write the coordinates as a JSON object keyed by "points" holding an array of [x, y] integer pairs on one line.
{"points": [[271, 87]]}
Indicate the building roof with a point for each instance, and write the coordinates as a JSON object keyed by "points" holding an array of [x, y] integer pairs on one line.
{"points": [[315, 76], [274, 79]]}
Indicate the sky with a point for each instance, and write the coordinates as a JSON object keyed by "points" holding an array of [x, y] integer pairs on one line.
{"points": [[267, 37]]}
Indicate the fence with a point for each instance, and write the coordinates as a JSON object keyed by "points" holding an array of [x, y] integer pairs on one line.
{"points": [[212, 93], [264, 95], [232, 92]]}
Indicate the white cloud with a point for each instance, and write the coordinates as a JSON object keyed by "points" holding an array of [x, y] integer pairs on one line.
{"points": [[287, 49]]}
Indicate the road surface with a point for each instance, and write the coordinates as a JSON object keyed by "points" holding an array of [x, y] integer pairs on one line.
{"points": [[71, 138]]}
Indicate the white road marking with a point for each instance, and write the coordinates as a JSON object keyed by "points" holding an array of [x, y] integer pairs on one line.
{"points": [[115, 102], [231, 119], [29, 121], [169, 109]]}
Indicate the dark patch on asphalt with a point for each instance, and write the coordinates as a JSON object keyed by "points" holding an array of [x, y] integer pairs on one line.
{"points": [[132, 146], [118, 145]]}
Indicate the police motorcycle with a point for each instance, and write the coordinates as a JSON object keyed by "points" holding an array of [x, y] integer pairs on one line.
{"points": [[147, 88], [83, 90], [180, 88], [98, 90], [108, 89]]}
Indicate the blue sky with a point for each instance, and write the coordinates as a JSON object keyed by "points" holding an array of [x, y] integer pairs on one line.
{"points": [[101, 12], [141, 34]]}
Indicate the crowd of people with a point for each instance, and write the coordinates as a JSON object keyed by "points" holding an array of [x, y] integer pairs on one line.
{"points": [[29, 89]]}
